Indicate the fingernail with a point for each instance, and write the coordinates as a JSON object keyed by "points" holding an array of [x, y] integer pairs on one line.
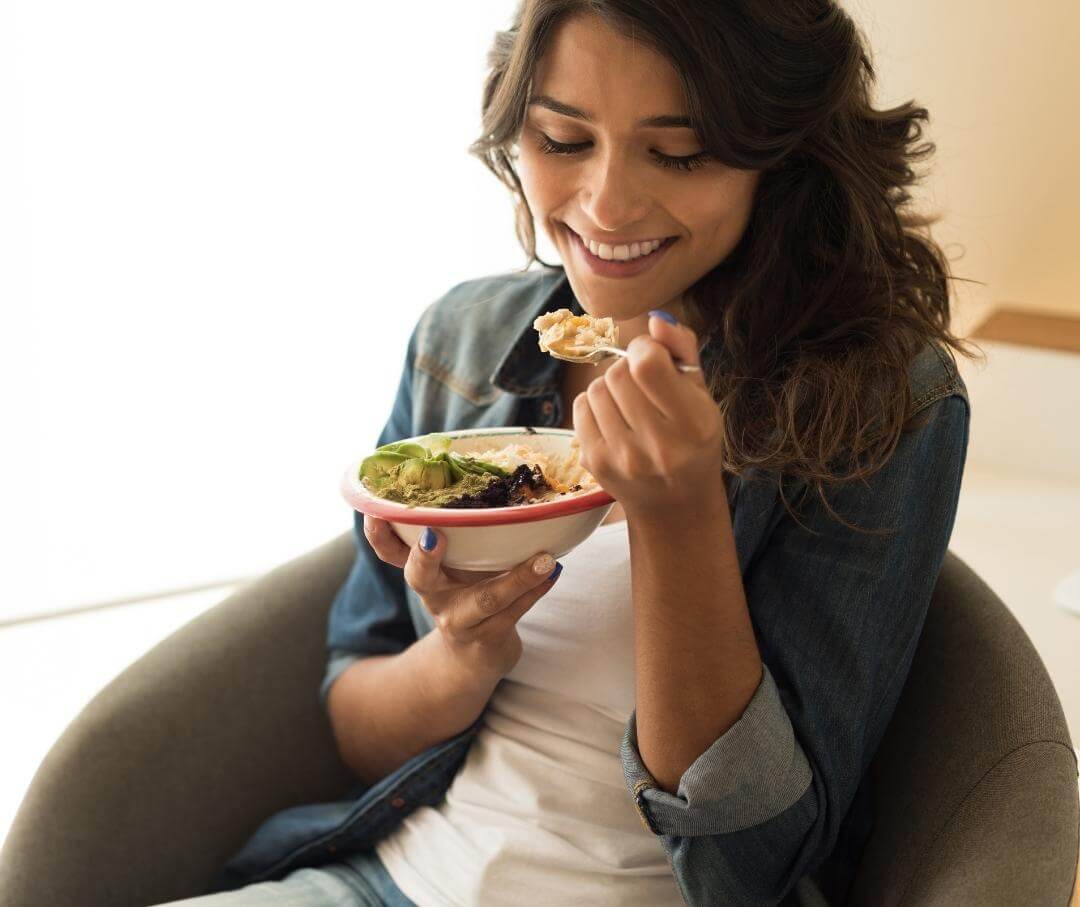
{"points": [[667, 316], [543, 564], [428, 539], [555, 573]]}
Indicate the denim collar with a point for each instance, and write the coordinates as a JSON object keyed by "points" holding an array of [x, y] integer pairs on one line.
{"points": [[526, 371]]}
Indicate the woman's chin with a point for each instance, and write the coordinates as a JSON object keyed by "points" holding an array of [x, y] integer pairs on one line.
{"points": [[599, 307]]}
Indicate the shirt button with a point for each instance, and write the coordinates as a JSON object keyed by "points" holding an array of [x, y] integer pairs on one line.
{"points": [[398, 802]]}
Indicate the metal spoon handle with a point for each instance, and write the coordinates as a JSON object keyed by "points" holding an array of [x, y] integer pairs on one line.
{"points": [[619, 351]]}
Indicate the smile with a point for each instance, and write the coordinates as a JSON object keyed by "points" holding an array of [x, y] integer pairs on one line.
{"points": [[624, 260]]}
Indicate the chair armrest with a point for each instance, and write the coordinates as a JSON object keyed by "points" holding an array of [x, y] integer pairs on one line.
{"points": [[1014, 839], [169, 769]]}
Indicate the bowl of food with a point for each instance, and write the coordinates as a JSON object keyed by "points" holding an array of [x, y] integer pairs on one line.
{"points": [[499, 495]]}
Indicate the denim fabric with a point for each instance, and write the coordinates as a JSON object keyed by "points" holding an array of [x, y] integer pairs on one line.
{"points": [[777, 809], [360, 880]]}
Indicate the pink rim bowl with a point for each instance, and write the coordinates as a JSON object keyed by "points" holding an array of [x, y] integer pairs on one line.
{"points": [[492, 538]]}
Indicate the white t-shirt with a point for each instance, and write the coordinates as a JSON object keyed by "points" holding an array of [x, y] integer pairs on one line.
{"points": [[539, 813]]}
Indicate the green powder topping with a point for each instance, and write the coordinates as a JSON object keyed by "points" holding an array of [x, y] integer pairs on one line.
{"points": [[389, 486]]}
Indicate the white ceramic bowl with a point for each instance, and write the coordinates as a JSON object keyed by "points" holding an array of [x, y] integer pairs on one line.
{"points": [[492, 538]]}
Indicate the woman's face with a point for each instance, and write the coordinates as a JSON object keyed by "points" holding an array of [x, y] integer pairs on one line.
{"points": [[617, 184]]}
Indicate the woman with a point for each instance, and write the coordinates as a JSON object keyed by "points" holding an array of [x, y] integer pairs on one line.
{"points": [[689, 714]]}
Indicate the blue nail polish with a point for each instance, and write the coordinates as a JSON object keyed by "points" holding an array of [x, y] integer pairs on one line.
{"points": [[667, 316], [428, 540], [555, 573]]}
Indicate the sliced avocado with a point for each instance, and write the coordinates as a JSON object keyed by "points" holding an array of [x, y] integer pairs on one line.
{"points": [[455, 470], [426, 473], [379, 464], [437, 443], [408, 448]]}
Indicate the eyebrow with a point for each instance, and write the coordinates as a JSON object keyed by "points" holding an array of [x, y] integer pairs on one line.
{"points": [[661, 122]]}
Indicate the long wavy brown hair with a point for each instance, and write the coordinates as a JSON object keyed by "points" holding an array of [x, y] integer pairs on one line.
{"points": [[836, 283]]}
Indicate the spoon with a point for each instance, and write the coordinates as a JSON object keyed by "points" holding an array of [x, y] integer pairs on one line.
{"points": [[596, 353]]}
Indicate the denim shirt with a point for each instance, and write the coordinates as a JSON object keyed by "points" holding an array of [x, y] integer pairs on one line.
{"points": [[778, 808]]}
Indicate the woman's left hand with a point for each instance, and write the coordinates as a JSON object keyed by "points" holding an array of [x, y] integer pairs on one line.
{"points": [[650, 434]]}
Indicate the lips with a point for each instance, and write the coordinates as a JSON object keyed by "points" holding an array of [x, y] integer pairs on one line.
{"points": [[614, 268]]}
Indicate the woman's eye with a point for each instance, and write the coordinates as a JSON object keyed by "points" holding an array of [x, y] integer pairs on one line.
{"points": [[549, 146]]}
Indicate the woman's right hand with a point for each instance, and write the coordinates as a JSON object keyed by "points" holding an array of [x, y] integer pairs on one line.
{"points": [[476, 614]]}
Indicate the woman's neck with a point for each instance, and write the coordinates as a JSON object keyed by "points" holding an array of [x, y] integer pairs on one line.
{"points": [[574, 378]]}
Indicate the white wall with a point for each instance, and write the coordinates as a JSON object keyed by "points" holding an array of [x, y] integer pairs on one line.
{"points": [[1000, 81], [220, 221]]}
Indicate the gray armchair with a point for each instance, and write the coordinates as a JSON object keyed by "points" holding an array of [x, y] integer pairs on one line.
{"points": [[166, 773]]}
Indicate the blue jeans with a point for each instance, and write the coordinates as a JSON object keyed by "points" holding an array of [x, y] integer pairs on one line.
{"points": [[357, 881]]}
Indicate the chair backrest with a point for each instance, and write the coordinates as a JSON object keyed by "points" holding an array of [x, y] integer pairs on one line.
{"points": [[168, 770], [975, 782]]}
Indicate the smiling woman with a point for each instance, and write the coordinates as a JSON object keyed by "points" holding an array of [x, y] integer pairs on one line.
{"points": [[687, 711], [777, 194]]}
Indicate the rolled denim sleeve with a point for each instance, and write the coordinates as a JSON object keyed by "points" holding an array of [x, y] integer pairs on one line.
{"points": [[754, 771], [837, 615], [369, 614]]}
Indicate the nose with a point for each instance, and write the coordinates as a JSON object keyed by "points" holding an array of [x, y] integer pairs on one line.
{"points": [[610, 193]]}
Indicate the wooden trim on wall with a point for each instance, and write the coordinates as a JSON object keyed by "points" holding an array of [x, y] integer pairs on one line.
{"points": [[1026, 328]]}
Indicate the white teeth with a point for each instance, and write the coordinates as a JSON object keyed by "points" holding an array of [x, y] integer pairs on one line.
{"points": [[623, 252]]}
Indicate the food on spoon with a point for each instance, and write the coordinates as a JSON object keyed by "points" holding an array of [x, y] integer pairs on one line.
{"points": [[428, 474], [562, 329]]}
